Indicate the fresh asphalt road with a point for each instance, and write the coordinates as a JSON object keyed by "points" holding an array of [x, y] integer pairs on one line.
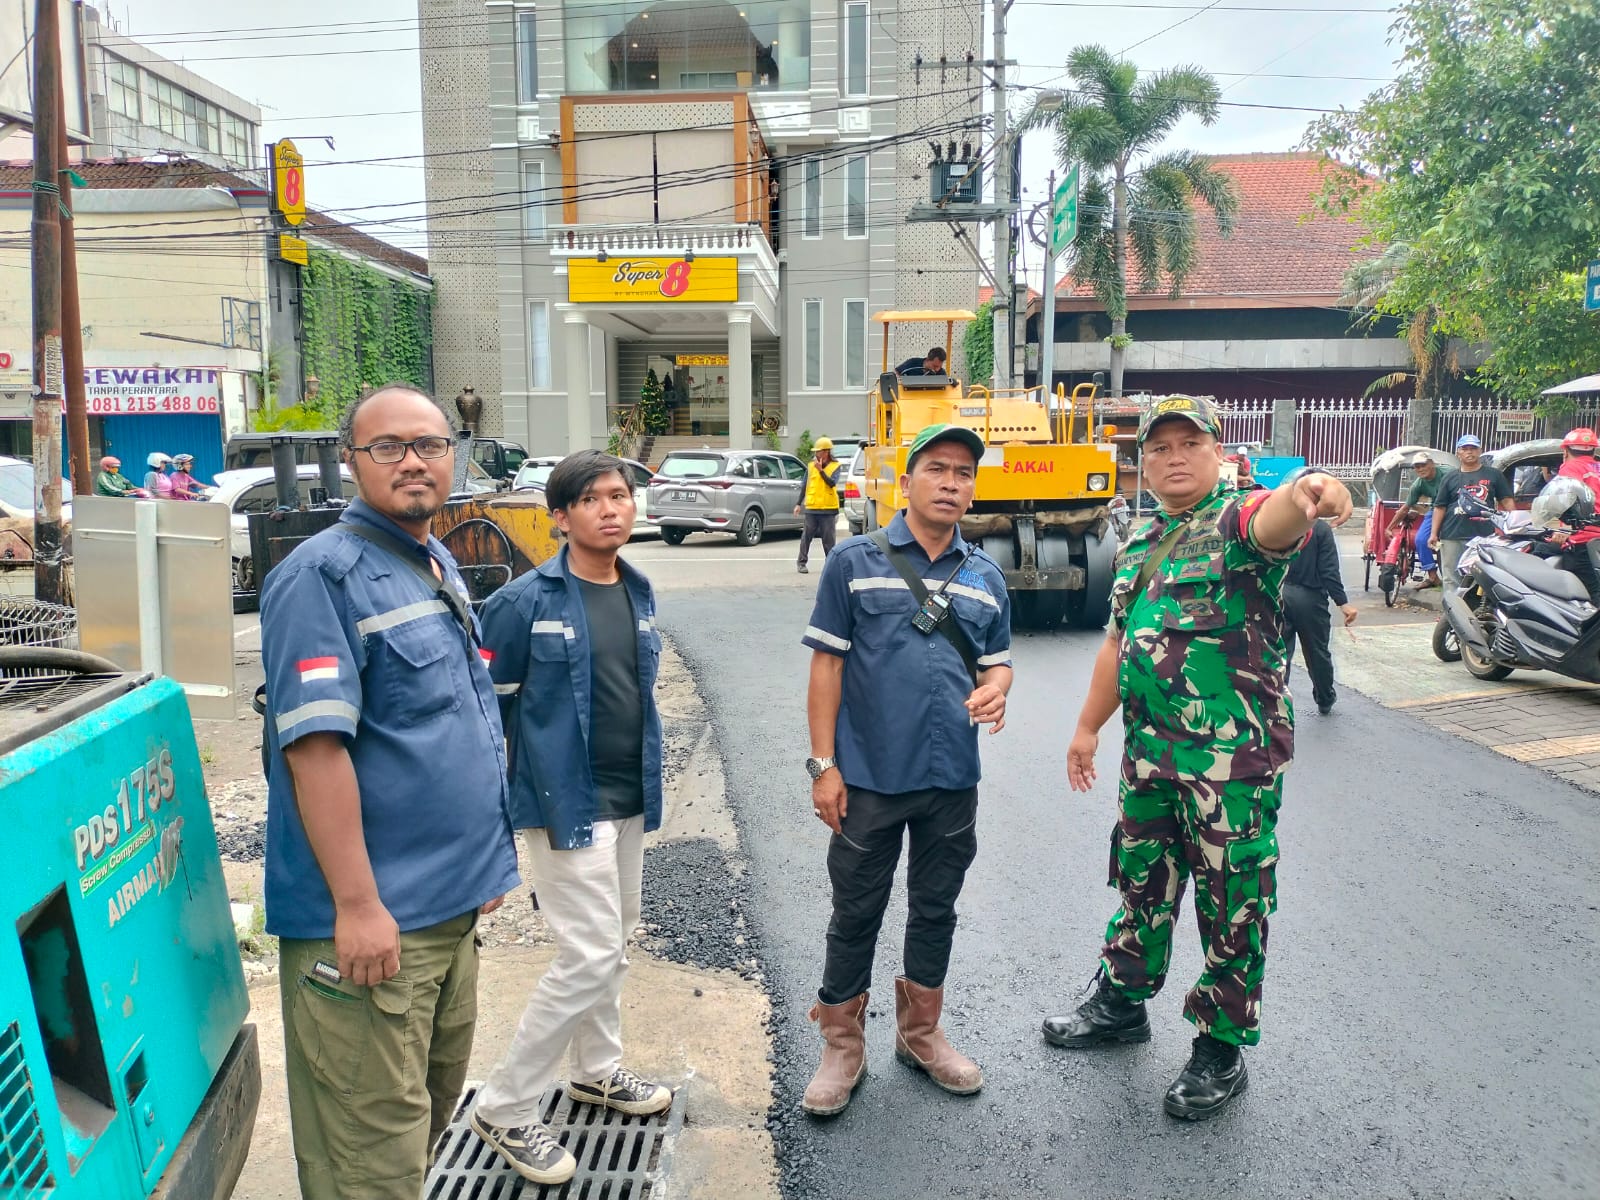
{"points": [[1431, 1026]]}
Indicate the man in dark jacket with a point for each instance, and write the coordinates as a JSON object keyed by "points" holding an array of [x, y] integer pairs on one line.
{"points": [[573, 651], [1312, 581]]}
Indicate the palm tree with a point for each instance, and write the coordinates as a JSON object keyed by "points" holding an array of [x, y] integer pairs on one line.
{"points": [[1110, 124], [1433, 355]]}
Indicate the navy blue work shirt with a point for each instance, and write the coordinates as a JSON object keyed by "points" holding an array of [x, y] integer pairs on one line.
{"points": [[903, 723], [537, 635], [354, 643]]}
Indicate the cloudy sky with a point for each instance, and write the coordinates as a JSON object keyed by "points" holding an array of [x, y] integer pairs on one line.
{"points": [[349, 70]]}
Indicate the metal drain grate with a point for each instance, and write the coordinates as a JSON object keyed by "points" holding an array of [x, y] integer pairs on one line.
{"points": [[619, 1157]]}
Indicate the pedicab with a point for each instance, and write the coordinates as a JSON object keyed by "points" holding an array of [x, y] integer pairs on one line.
{"points": [[1390, 541]]}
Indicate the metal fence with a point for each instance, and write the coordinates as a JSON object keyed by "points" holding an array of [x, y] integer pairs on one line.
{"points": [[1487, 417], [1344, 434], [1247, 422]]}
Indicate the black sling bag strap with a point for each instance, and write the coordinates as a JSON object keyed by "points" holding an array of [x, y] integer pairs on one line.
{"points": [[949, 626], [1159, 555], [452, 598]]}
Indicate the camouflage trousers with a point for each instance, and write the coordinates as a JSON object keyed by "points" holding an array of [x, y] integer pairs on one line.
{"points": [[1222, 833]]}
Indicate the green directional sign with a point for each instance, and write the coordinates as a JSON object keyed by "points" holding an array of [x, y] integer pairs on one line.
{"points": [[1064, 213]]}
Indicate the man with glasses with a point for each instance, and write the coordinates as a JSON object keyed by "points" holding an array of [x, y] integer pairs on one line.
{"points": [[387, 815]]}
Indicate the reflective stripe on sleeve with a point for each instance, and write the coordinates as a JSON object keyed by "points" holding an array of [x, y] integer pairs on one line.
{"points": [[399, 616], [826, 638], [995, 660], [318, 708], [507, 689]]}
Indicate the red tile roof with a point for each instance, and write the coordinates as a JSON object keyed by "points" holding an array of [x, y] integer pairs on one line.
{"points": [[113, 174], [1282, 249]]}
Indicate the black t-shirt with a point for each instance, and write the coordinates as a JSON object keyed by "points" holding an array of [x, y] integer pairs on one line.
{"points": [[1468, 498], [616, 712]]}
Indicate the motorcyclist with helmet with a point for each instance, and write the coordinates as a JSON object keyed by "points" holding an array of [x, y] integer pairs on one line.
{"points": [[1577, 547], [156, 480], [110, 481]]}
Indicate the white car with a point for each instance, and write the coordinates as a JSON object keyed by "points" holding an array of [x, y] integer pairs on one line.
{"points": [[16, 509], [255, 490], [535, 472]]}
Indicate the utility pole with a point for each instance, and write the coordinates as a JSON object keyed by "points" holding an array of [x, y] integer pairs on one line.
{"points": [[1004, 202], [71, 317], [48, 367]]}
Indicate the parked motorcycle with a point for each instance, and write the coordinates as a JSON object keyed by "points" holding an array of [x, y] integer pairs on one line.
{"points": [[1518, 611], [1510, 532]]}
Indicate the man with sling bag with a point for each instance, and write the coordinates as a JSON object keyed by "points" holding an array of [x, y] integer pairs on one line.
{"points": [[911, 642], [1196, 662]]}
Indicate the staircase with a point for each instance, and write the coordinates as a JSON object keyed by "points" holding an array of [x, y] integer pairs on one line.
{"points": [[657, 448]]}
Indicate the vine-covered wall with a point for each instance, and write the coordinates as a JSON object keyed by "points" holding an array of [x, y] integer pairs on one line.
{"points": [[362, 327]]}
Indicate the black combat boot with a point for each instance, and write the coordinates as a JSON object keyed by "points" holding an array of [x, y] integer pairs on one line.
{"points": [[1107, 1016], [1214, 1076]]}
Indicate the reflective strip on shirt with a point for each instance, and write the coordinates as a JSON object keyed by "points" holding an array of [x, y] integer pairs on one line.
{"points": [[507, 689], [826, 638], [994, 660], [566, 631], [318, 708], [879, 583], [400, 616]]}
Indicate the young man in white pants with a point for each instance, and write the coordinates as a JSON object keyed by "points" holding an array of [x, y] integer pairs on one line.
{"points": [[574, 658]]}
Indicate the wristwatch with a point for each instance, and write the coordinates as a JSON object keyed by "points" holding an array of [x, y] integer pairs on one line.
{"points": [[817, 767]]}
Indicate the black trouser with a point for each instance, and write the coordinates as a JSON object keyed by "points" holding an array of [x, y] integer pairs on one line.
{"points": [[861, 863], [824, 525], [1305, 615]]}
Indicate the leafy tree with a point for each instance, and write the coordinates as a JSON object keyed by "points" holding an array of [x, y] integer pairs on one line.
{"points": [[1131, 198], [1481, 159], [977, 343]]}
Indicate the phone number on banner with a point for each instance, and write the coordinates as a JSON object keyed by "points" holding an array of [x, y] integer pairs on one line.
{"points": [[110, 406]]}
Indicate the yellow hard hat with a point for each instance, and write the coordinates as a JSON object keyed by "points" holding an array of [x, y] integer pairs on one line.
{"points": [[822, 444]]}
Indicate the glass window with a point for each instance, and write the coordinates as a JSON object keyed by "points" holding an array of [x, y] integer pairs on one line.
{"points": [[533, 201], [122, 88], [855, 196], [665, 45], [238, 139], [855, 343], [813, 198], [688, 466], [813, 340], [794, 469], [527, 57], [767, 468], [855, 50], [539, 346]]}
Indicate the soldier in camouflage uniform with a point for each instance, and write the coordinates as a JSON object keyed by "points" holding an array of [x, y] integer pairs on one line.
{"points": [[1196, 661]]}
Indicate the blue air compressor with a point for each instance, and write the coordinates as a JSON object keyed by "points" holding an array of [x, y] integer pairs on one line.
{"points": [[126, 1069]]}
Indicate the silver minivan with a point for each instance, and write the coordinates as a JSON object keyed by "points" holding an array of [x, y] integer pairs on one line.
{"points": [[742, 492]]}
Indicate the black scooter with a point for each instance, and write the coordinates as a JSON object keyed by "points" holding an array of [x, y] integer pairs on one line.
{"points": [[1516, 611]]}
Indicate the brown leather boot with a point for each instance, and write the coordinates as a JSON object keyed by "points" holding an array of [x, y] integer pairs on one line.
{"points": [[920, 1042], [844, 1056]]}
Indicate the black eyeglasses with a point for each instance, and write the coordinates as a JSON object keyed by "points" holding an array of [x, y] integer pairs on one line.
{"points": [[389, 453]]}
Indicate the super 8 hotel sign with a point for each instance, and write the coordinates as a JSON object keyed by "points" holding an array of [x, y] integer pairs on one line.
{"points": [[652, 280]]}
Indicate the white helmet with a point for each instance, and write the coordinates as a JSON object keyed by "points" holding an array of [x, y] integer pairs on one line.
{"points": [[158, 460]]}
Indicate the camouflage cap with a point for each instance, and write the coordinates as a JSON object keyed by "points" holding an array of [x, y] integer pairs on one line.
{"points": [[1198, 409]]}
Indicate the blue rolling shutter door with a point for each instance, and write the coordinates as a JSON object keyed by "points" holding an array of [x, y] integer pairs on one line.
{"points": [[134, 438]]}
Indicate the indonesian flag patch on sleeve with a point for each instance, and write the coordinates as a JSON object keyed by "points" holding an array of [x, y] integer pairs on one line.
{"points": [[312, 669]]}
